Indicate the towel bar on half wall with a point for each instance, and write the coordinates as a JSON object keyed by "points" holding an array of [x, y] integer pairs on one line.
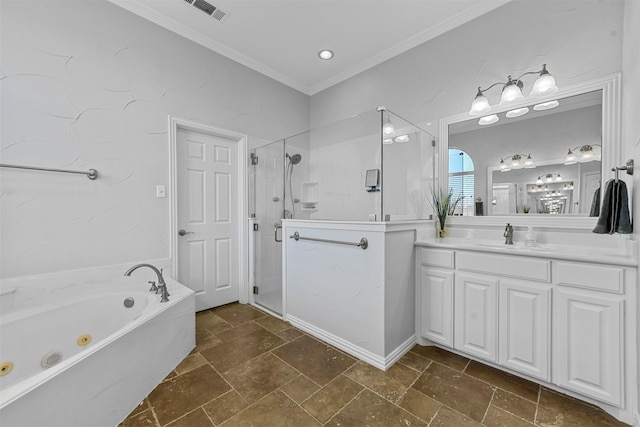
{"points": [[91, 173], [363, 243]]}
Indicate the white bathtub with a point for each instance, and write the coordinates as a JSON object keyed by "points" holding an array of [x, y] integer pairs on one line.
{"points": [[110, 356]]}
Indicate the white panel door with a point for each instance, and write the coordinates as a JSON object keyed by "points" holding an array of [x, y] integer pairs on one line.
{"points": [[476, 315], [524, 331], [207, 212], [436, 305], [588, 346]]}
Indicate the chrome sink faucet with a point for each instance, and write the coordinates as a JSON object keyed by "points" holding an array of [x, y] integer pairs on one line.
{"points": [[162, 286], [508, 234]]}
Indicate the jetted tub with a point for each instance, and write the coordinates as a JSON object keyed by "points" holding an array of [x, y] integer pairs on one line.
{"points": [[86, 355]]}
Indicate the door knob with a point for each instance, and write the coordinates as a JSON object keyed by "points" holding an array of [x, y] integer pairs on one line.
{"points": [[182, 232]]}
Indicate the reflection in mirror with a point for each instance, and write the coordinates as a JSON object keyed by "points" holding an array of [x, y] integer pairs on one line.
{"points": [[524, 164]]}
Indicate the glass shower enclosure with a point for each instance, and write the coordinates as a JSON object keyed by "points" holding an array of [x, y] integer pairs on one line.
{"points": [[374, 166]]}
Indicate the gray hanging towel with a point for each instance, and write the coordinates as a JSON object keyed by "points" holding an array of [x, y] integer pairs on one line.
{"points": [[595, 204], [614, 211]]}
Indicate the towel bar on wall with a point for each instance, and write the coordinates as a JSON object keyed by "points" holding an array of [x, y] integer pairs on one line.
{"points": [[627, 167], [363, 243], [91, 173]]}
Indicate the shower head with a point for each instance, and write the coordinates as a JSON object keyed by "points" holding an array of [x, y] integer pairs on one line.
{"points": [[295, 159]]}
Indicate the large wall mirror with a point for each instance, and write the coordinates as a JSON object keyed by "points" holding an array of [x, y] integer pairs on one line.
{"points": [[547, 164]]}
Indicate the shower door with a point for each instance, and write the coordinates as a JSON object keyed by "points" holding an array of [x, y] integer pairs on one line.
{"points": [[268, 192]]}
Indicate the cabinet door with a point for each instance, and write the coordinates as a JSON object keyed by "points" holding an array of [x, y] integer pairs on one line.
{"points": [[525, 319], [588, 353], [476, 315], [435, 294]]}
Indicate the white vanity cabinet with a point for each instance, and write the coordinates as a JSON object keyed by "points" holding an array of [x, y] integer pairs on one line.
{"points": [[476, 315], [557, 321], [589, 325]]}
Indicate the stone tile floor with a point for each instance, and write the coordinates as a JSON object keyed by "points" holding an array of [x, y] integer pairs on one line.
{"points": [[251, 369]]}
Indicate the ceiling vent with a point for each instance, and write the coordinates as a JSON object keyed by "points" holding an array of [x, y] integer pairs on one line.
{"points": [[208, 8]]}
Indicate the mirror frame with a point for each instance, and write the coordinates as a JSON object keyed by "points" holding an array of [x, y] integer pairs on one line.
{"points": [[611, 154]]}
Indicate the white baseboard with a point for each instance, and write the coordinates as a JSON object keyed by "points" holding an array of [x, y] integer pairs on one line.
{"points": [[636, 420], [371, 358]]}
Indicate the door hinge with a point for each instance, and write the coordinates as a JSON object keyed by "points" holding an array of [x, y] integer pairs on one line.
{"points": [[433, 142], [254, 159], [255, 290], [255, 227]]}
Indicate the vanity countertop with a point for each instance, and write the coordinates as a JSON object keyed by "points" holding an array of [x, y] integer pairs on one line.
{"points": [[548, 251]]}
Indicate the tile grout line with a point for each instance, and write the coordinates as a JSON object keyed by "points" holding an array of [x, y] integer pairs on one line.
{"points": [[486, 411], [347, 404], [535, 415]]}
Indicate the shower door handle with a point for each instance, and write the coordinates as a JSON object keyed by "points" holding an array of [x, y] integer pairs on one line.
{"points": [[275, 233]]}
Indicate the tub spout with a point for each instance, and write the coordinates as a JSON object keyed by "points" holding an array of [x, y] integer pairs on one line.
{"points": [[162, 286]]}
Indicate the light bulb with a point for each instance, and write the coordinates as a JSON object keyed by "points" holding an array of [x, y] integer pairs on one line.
{"points": [[515, 161], [539, 180], [401, 138], [558, 178], [549, 177], [387, 141]]}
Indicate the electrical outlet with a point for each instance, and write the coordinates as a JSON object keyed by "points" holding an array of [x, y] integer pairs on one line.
{"points": [[161, 191]]}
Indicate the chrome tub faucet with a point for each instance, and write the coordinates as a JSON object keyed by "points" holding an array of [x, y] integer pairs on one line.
{"points": [[508, 234], [162, 286]]}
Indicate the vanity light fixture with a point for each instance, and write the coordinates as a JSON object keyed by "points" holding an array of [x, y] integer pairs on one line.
{"points": [[387, 141], [550, 177], [517, 162], [544, 85], [325, 54], [586, 154], [401, 138]]}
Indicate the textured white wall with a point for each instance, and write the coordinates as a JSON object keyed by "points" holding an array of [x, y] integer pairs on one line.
{"points": [[579, 40], [630, 122], [89, 85]]}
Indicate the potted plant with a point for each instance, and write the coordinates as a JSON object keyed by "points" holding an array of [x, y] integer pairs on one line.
{"points": [[443, 205]]}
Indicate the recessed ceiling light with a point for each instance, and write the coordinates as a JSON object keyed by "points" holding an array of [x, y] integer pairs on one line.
{"points": [[325, 54]]}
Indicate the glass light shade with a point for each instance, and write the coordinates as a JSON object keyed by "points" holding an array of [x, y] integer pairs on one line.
{"points": [[586, 152], [480, 105], [515, 161], [511, 94], [528, 162], [549, 177], [539, 180], [388, 128], [487, 120], [546, 105], [558, 178], [502, 165], [387, 141], [543, 86], [401, 138], [517, 112], [570, 159]]}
